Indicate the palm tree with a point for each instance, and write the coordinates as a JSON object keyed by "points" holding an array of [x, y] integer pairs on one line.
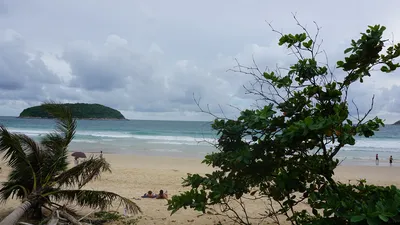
{"points": [[40, 176]]}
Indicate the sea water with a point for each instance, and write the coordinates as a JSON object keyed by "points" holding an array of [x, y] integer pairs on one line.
{"points": [[184, 138]]}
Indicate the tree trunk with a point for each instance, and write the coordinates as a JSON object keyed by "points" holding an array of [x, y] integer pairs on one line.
{"points": [[16, 215], [37, 211]]}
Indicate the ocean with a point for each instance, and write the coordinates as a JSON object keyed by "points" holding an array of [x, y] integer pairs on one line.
{"points": [[184, 138]]}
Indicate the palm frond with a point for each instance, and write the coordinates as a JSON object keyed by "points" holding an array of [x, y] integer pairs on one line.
{"points": [[66, 124], [10, 145], [12, 189], [83, 173], [16, 147], [56, 143], [34, 154], [95, 199], [56, 155], [19, 176], [29, 145]]}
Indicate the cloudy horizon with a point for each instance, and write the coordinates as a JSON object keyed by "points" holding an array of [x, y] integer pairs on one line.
{"points": [[149, 59]]}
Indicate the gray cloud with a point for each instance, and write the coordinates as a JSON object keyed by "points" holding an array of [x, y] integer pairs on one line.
{"points": [[22, 74], [149, 58], [106, 68], [3, 8]]}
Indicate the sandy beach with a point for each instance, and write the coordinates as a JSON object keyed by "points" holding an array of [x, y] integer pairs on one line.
{"points": [[134, 175]]}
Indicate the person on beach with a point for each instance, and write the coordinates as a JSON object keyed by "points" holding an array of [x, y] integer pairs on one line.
{"points": [[390, 160], [376, 159], [162, 195], [76, 162], [149, 194], [101, 154]]}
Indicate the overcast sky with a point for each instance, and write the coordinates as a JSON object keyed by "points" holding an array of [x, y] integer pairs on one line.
{"points": [[148, 58]]}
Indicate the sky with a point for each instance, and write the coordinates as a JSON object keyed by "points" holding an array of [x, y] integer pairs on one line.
{"points": [[151, 59]]}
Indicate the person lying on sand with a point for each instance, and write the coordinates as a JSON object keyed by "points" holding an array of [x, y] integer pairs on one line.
{"points": [[162, 195], [149, 194]]}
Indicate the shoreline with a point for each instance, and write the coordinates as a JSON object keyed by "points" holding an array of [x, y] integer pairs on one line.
{"points": [[192, 156]]}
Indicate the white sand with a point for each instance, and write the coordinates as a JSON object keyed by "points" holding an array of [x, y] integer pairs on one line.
{"points": [[133, 175]]}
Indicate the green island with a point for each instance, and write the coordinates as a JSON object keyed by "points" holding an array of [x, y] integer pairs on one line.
{"points": [[79, 111]]}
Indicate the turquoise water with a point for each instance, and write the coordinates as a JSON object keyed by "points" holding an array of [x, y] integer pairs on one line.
{"points": [[181, 138], [176, 138]]}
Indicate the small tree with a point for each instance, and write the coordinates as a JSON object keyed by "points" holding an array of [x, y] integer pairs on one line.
{"points": [[285, 150], [40, 176]]}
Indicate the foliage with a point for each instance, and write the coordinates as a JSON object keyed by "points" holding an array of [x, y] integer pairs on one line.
{"points": [[284, 150], [108, 216], [40, 174], [131, 221], [359, 204], [79, 110], [113, 217]]}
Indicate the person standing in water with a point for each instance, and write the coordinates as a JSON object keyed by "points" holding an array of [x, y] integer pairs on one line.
{"points": [[376, 159], [390, 160]]}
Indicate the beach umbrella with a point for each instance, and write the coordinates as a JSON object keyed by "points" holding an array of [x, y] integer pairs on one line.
{"points": [[79, 154]]}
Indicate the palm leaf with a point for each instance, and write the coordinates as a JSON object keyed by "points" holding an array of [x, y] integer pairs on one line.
{"points": [[94, 199], [11, 189], [83, 173], [56, 143], [56, 154], [34, 154], [17, 148], [66, 124], [11, 145]]}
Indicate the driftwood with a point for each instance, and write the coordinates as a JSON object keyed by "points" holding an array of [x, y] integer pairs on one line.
{"points": [[55, 217], [70, 218], [86, 215], [58, 216]]}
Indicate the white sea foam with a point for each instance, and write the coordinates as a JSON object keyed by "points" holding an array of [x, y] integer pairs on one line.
{"points": [[105, 134], [390, 145], [174, 138], [374, 145], [165, 150], [165, 138], [84, 141], [171, 143], [108, 140], [29, 132], [109, 136]]}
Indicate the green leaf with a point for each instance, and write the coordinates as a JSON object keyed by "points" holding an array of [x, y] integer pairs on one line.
{"points": [[384, 69], [383, 218], [358, 218], [348, 50]]}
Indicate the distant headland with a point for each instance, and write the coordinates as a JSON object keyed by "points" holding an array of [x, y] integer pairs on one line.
{"points": [[79, 111]]}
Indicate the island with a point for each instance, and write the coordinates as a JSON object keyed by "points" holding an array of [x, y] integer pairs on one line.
{"points": [[79, 111], [397, 123]]}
